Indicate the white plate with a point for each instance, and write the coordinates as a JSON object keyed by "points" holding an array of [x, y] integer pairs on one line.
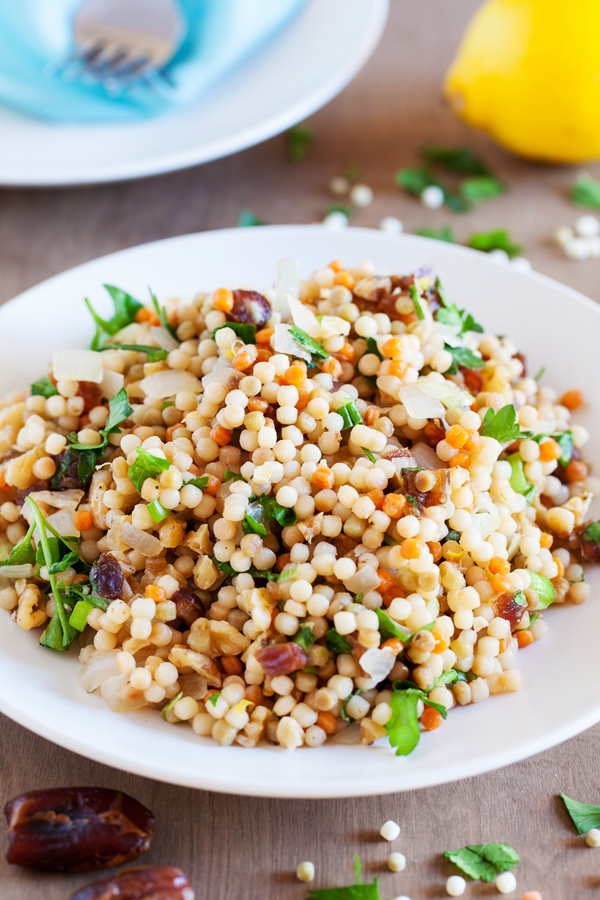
{"points": [[553, 326], [293, 75]]}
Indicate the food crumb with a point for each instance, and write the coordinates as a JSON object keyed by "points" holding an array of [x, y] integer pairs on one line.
{"points": [[389, 830], [396, 862]]}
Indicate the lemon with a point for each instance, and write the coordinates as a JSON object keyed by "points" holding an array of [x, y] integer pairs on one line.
{"points": [[528, 73]]}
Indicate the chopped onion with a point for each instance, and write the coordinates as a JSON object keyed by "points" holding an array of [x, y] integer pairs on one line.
{"points": [[63, 521], [58, 499], [287, 285], [111, 693], [140, 540], [283, 342], [513, 546], [305, 318], [449, 333], [194, 685], [349, 735], [24, 571], [426, 456], [112, 382], [487, 519], [163, 338], [418, 404], [433, 607], [169, 382], [78, 365], [219, 374], [378, 662], [363, 581], [446, 392], [102, 665]]}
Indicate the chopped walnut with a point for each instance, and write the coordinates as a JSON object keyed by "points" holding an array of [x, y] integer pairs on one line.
{"points": [[27, 616]]}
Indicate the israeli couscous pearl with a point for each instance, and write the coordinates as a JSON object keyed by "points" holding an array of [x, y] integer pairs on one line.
{"points": [[506, 882], [389, 830], [456, 886], [305, 871], [396, 862], [592, 837]]}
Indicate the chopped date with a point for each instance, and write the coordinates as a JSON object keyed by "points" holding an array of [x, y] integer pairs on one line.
{"points": [[588, 548], [506, 607], [436, 496], [473, 379], [250, 308], [282, 659], [140, 883], [20, 496], [107, 577], [76, 829], [189, 608], [91, 393]]}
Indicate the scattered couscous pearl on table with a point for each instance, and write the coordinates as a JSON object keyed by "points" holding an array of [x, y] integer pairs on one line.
{"points": [[592, 837], [396, 862], [506, 882], [456, 886], [389, 830], [305, 871]]}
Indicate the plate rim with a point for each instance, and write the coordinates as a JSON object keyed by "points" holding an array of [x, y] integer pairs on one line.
{"points": [[453, 771], [370, 34]]}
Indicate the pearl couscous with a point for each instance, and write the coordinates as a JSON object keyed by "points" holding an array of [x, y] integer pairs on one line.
{"points": [[337, 508]]}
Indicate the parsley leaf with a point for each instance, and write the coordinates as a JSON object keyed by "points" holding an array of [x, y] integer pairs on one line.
{"points": [[591, 533], [146, 465], [246, 333], [484, 861], [231, 476], [458, 318], [126, 309], [43, 388], [403, 726], [274, 510], [497, 239], [256, 573], [83, 460], [373, 348], [251, 526], [23, 553], [154, 353], [416, 180], [359, 891], [586, 191], [302, 338], [343, 712], [169, 706], [462, 356], [583, 815], [564, 439], [299, 139], [200, 482], [337, 643], [457, 159], [247, 219], [304, 636], [119, 410], [502, 425], [162, 315], [444, 233], [483, 187], [368, 454]]}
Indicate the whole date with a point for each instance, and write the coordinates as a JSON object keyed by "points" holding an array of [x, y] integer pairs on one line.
{"points": [[148, 883], [76, 829]]}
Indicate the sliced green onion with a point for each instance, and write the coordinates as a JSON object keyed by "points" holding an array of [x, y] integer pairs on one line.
{"points": [[79, 615], [350, 413], [157, 511], [543, 588], [518, 482]]}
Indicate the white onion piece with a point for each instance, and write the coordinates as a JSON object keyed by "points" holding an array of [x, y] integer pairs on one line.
{"points": [[24, 571], [111, 693], [418, 404], [134, 333], [283, 342], [305, 318], [487, 519], [194, 685], [58, 499], [63, 521], [219, 374], [425, 456], [378, 662], [363, 580], [350, 735], [102, 665], [140, 540], [446, 392], [112, 382], [287, 285], [513, 546], [433, 607], [449, 333], [163, 338], [78, 365], [169, 382]]}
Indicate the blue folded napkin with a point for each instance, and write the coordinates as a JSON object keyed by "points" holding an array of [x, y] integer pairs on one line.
{"points": [[35, 34]]}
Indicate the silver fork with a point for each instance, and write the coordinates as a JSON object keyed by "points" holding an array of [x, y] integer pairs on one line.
{"points": [[122, 43]]}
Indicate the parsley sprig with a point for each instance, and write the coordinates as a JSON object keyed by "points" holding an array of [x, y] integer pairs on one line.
{"points": [[358, 891], [484, 861], [503, 425]]}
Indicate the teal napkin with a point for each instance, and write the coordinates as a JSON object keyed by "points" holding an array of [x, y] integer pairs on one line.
{"points": [[35, 34]]}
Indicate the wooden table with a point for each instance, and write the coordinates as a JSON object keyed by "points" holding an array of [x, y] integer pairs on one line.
{"points": [[241, 847]]}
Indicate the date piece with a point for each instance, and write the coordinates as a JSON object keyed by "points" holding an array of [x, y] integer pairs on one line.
{"points": [[76, 829], [148, 883]]}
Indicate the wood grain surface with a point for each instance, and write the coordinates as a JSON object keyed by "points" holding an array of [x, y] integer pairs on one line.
{"points": [[235, 847]]}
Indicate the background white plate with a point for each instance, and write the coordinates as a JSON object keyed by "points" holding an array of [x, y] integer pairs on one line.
{"points": [[289, 78], [552, 325]]}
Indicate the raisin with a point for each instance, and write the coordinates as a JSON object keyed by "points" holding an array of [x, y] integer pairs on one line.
{"points": [[91, 393], [473, 379], [588, 548], [107, 577], [281, 659], [143, 883], [76, 829], [189, 608], [250, 308], [434, 432]]}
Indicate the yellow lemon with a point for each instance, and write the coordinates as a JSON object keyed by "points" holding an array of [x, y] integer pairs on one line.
{"points": [[528, 73]]}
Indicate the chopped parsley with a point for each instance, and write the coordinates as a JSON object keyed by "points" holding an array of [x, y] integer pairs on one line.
{"points": [[497, 239], [503, 425], [591, 533], [251, 526], [337, 643], [484, 861], [416, 180], [368, 454], [403, 726], [268, 574], [449, 314], [586, 191], [275, 511], [583, 815], [461, 160], [246, 333], [372, 347], [169, 706], [462, 356], [564, 439], [343, 712], [543, 588], [247, 219], [200, 482], [358, 891], [298, 139], [304, 636], [539, 374], [146, 465], [444, 233], [119, 410], [232, 476], [43, 388], [482, 187]]}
